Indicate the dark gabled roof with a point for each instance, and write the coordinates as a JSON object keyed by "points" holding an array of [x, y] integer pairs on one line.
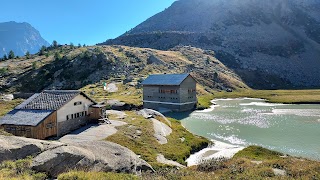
{"points": [[50, 99], [165, 79], [24, 117]]}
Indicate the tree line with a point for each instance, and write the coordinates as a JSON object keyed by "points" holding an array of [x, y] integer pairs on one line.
{"points": [[43, 49]]}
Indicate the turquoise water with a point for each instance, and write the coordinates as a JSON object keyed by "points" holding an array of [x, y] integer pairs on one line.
{"points": [[291, 129]]}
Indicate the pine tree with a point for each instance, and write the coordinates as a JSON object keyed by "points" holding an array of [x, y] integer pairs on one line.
{"points": [[71, 45], [55, 44], [42, 50], [11, 55], [27, 54], [5, 57]]}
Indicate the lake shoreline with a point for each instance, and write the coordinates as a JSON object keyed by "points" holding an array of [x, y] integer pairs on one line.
{"points": [[258, 113]]}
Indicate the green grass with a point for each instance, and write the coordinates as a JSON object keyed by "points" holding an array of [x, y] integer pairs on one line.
{"points": [[204, 101], [147, 146], [6, 106], [81, 175], [19, 169], [126, 93], [258, 153], [276, 96], [272, 96]]}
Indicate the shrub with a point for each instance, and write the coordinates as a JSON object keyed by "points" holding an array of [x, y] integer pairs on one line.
{"points": [[3, 71], [212, 165]]}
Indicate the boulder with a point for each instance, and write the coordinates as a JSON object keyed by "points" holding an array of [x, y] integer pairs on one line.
{"points": [[54, 158], [14, 148], [62, 159], [150, 113], [154, 60], [118, 105], [8, 97], [89, 156]]}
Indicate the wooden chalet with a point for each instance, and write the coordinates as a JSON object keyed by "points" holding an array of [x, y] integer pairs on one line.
{"points": [[51, 113]]}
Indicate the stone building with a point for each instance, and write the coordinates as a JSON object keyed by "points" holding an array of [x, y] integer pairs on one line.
{"points": [[50, 113], [176, 92]]}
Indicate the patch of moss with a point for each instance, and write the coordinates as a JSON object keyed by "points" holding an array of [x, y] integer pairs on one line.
{"points": [[258, 153]]}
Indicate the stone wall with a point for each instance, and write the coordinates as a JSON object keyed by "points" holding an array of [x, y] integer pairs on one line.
{"points": [[65, 127]]}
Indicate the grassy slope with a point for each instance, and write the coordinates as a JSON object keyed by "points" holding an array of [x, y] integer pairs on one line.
{"points": [[6, 106], [19, 169], [126, 93], [145, 144], [243, 166]]}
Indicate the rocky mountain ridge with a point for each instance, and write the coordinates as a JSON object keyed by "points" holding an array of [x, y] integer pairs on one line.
{"points": [[269, 44], [20, 38]]}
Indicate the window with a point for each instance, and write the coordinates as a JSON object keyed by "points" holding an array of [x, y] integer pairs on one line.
{"points": [[49, 126], [67, 117], [77, 103], [85, 113], [72, 116], [170, 91]]}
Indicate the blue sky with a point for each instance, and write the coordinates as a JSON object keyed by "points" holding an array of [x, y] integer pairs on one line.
{"points": [[81, 21]]}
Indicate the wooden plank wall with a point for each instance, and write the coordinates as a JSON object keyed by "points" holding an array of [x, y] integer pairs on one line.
{"points": [[95, 113], [45, 129]]}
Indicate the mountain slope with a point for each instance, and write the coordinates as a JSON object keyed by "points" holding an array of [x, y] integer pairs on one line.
{"points": [[270, 44], [19, 37], [75, 68]]}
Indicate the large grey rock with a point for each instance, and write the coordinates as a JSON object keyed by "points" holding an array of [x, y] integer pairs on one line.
{"points": [[150, 113], [118, 105], [62, 159], [13, 148], [89, 156], [54, 158]]}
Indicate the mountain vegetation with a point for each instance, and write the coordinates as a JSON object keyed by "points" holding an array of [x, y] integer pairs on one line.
{"points": [[70, 67]]}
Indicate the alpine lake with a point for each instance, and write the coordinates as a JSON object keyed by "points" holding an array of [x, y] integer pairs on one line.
{"points": [[291, 129]]}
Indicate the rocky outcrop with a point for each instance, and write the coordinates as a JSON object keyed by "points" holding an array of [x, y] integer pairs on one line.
{"points": [[14, 148], [161, 130], [150, 113], [118, 105], [270, 44], [54, 158]]}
